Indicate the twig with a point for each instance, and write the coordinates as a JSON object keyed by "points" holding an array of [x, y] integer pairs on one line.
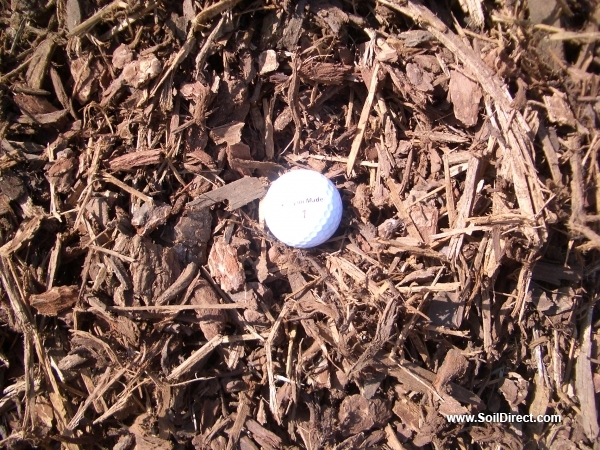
{"points": [[456, 231], [95, 19], [407, 170], [16, 70], [450, 205], [108, 177], [293, 102], [205, 350], [465, 205], [402, 212], [175, 308], [429, 194], [584, 379], [208, 44], [236, 315], [182, 54], [269, 132], [342, 160], [439, 287], [127, 22], [212, 11], [105, 382], [364, 117], [350, 112], [113, 253], [269, 351], [590, 36], [421, 381], [413, 319], [107, 348], [196, 357], [91, 176], [242, 413]]}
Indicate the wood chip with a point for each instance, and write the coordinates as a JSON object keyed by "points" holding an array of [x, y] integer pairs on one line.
{"points": [[362, 122], [559, 110], [57, 299], [238, 194], [585, 384], [38, 66], [229, 134], [136, 159], [25, 233], [267, 62], [465, 95], [225, 266]]}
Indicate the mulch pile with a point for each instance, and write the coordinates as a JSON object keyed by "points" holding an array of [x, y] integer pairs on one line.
{"points": [[144, 303]]}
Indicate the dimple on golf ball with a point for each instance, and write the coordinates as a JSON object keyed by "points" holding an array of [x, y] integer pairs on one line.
{"points": [[302, 208]]}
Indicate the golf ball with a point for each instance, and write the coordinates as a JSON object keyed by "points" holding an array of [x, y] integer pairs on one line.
{"points": [[302, 208]]}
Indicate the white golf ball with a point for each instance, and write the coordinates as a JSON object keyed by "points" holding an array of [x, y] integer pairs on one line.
{"points": [[302, 208]]}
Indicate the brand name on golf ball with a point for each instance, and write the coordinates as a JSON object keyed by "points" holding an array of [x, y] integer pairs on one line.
{"points": [[307, 201]]}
